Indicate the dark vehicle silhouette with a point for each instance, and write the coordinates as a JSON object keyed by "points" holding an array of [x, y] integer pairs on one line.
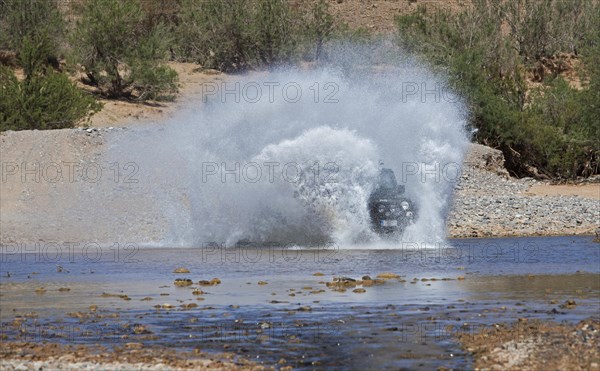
{"points": [[389, 209]]}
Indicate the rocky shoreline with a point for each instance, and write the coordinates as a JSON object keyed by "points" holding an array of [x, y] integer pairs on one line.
{"points": [[500, 332], [489, 203], [132, 356], [536, 345]]}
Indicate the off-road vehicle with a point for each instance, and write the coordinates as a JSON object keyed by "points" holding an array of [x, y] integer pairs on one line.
{"points": [[389, 209]]}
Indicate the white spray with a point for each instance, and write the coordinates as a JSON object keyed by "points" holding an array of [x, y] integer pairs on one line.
{"points": [[290, 156]]}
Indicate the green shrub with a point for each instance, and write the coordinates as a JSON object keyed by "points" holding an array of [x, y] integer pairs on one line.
{"points": [[215, 34], [34, 22], [121, 53], [237, 35], [273, 32], [320, 26], [41, 101], [551, 130]]}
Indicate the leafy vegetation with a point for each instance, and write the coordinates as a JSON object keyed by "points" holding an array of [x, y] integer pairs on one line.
{"points": [[123, 55], [237, 35], [24, 24], [506, 58], [43, 98], [529, 69]]}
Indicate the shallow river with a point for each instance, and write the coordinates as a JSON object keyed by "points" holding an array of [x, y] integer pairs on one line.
{"points": [[411, 322]]}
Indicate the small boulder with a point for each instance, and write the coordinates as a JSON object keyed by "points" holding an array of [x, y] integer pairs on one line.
{"points": [[388, 275], [189, 305], [134, 346], [181, 282]]}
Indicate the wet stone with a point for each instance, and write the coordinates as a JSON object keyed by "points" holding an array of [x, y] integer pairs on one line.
{"points": [[183, 282], [388, 275]]}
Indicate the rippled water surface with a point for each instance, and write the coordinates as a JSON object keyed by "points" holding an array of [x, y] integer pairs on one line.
{"points": [[402, 323]]}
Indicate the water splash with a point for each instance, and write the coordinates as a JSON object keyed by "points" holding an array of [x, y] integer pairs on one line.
{"points": [[290, 155]]}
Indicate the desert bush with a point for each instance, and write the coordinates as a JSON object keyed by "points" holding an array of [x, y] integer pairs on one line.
{"points": [[237, 35], [215, 34], [487, 51], [42, 101], [273, 32], [544, 28], [44, 98], [320, 27], [123, 54], [47, 100], [37, 23]]}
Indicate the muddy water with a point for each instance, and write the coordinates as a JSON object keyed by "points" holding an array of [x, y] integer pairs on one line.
{"points": [[295, 316]]}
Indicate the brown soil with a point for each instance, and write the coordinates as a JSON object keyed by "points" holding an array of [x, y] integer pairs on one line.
{"points": [[591, 191], [130, 356], [565, 65], [536, 346], [123, 112], [379, 16]]}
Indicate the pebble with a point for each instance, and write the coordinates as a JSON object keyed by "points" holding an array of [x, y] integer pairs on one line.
{"points": [[134, 345], [486, 202], [183, 282], [214, 281], [387, 275], [569, 304], [189, 305]]}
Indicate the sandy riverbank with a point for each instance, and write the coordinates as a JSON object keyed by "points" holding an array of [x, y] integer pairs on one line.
{"points": [[536, 345], [131, 356], [487, 202]]}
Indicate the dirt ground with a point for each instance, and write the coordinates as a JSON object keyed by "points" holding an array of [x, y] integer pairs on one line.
{"points": [[379, 16], [132, 356], [123, 112], [591, 191], [536, 345], [36, 208]]}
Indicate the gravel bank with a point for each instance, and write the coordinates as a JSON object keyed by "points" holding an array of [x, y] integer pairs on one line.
{"points": [[536, 346], [133, 356], [488, 203]]}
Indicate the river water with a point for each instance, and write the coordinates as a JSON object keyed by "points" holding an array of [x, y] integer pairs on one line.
{"points": [[407, 322]]}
